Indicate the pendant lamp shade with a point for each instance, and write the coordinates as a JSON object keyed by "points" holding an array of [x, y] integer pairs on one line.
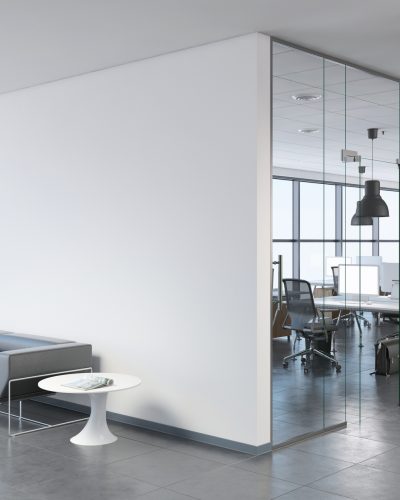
{"points": [[372, 205], [360, 220]]}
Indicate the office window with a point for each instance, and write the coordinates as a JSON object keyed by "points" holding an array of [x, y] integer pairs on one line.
{"points": [[353, 250], [313, 258], [350, 197], [284, 249], [313, 198], [389, 251], [282, 209], [389, 226]]}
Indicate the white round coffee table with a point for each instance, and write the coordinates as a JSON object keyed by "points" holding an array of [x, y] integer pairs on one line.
{"points": [[96, 431]]}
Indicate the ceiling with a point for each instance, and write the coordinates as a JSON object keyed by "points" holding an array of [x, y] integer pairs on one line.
{"points": [[351, 101], [45, 40]]}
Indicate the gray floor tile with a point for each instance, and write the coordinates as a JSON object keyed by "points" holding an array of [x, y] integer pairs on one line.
{"points": [[389, 461], [36, 466], [9, 493], [294, 465], [163, 467], [119, 450], [11, 447], [361, 483], [306, 493], [101, 485], [229, 483], [164, 494], [207, 452], [344, 447]]}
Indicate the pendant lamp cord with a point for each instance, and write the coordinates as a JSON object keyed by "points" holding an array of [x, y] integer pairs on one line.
{"points": [[372, 163]]}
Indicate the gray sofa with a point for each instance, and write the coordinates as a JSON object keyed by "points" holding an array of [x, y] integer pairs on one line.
{"points": [[23, 356]]}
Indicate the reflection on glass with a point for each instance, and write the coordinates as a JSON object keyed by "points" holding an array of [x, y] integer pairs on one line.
{"points": [[284, 249], [282, 209], [313, 261], [351, 196], [313, 198], [389, 251], [389, 226]]}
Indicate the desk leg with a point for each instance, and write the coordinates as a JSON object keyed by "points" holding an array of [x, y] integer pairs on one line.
{"points": [[360, 331], [96, 431]]}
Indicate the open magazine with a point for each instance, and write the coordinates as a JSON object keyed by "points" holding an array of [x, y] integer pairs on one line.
{"points": [[89, 383]]}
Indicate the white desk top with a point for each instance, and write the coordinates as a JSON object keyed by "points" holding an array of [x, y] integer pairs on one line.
{"points": [[121, 382], [377, 304]]}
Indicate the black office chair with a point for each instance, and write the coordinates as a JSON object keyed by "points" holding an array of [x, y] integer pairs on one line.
{"points": [[307, 322], [350, 316]]}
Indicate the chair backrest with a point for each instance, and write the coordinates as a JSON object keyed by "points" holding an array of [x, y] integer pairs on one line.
{"points": [[335, 274], [299, 302]]}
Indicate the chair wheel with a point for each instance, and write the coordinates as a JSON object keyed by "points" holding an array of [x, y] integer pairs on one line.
{"points": [[338, 369], [366, 323], [305, 370], [285, 364]]}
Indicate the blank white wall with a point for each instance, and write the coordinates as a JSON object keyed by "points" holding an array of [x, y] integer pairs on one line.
{"points": [[135, 216]]}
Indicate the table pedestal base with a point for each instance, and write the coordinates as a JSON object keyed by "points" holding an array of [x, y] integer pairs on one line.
{"points": [[96, 431]]}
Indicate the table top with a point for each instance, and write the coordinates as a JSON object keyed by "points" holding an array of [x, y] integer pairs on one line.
{"points": [[376, 304], [121, 382]]}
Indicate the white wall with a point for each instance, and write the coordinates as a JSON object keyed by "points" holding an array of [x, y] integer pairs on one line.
{"points": [[134, 214]]}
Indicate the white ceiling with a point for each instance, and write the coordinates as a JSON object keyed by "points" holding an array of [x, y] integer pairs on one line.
{"points": [[352, 102], [44, 40]]}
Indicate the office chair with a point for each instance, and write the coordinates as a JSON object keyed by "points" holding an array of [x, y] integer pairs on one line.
{"points": [[350, 315], [307, 322]]}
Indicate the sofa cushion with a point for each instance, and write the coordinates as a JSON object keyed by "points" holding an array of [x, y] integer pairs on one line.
{"points": [[11, 341]]}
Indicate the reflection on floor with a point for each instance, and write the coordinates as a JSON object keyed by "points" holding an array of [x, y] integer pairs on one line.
{"points": [[306, 403]]}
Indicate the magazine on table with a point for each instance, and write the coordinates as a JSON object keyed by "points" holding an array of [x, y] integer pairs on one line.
{"points": [[89, 383]]}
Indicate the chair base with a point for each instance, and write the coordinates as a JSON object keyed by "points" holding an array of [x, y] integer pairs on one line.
{"points": [[306, 358]]}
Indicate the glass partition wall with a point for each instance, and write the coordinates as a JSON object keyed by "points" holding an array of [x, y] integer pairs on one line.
{"points": [[322, 156]]}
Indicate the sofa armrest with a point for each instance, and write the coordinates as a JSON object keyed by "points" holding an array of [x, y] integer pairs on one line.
{"points": [[40, 360]]}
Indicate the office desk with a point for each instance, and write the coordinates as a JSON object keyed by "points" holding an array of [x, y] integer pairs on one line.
{"points": [[377, 305]]}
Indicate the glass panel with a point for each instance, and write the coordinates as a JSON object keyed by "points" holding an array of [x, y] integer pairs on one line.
{"points": [[297, 144], [313, 198], [284, 249], [312, 260], [353, 250], [371, 102], [389, 226], [282, 209], [351, 196], [389, 251]]}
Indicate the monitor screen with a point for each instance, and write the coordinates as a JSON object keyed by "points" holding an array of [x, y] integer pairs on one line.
{"points": [[358, 280]]}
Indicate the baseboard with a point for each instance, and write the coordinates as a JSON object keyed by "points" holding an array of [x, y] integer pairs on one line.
{"points": [[165, 429]]}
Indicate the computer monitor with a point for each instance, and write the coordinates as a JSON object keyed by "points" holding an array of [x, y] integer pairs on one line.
{"points": [[389, 272], [356, 280]]}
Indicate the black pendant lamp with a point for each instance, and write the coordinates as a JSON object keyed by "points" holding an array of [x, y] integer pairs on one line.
{"points": [[359, 219], [372, 205]]}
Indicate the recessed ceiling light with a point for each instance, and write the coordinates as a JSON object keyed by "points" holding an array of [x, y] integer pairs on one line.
{"points": [[308, 130], [306, 97]]}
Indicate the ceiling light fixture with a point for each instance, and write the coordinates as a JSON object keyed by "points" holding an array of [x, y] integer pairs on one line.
{"points": [[306, 97], [308, 130], [372, 205]]}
